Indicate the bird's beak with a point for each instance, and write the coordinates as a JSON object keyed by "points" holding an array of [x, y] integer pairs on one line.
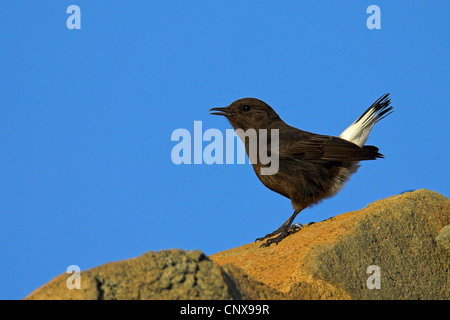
{"points": [[220, 111]]}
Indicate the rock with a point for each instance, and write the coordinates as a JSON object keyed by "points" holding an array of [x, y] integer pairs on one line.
{"points": [[443, 238], [168, 274], [396, 248], [330, 259]]}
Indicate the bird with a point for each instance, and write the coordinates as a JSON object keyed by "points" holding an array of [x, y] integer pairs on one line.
{"points": [[312, 167]]}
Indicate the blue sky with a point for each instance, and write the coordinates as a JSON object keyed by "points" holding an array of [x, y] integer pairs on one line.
{"points": [[86, 118]]}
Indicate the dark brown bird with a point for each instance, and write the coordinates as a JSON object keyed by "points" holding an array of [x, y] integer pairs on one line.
{"points": [[312, 167]]}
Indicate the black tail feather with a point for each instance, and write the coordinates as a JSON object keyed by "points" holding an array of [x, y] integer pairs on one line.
{"points": [[379, 110]]}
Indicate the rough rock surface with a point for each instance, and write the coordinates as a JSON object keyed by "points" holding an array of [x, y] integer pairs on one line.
{"points": [[406, 237], [168, 274]]}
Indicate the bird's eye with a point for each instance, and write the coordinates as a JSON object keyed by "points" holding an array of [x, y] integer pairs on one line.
{"points": [[246, 108]]}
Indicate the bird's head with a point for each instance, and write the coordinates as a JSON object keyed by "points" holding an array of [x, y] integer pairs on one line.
{"points": [[248, 113]]}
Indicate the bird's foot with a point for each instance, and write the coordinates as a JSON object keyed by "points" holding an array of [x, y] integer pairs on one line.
{"points": [[282, 234]]}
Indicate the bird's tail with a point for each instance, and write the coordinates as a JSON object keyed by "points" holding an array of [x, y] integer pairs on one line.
{"points": [[358, 131]]}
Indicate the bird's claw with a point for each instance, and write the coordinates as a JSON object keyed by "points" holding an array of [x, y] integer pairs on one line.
{"points": [[283, 234]]}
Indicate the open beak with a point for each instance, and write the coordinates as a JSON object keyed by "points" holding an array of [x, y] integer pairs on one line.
{"points": [[219, 111]]}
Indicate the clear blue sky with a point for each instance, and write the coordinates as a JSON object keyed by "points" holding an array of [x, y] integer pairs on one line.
{"points": [[86, 118]]}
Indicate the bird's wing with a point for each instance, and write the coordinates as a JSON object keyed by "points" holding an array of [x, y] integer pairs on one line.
{"points": [[321, 148]]}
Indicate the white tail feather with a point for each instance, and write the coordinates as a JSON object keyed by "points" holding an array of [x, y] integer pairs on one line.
{"points": [[358, 131]]}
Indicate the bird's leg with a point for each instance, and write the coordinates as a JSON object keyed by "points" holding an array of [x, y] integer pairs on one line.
{"points": [[284, 230]]}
